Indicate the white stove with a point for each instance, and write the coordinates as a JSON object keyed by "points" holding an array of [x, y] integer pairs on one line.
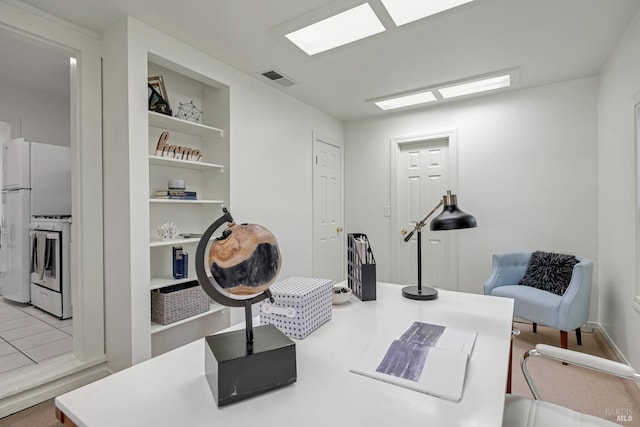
{"points": [[55, 223], [51, 264]]}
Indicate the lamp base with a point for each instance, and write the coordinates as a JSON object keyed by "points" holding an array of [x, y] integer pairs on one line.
{"points": [[424, 294]]}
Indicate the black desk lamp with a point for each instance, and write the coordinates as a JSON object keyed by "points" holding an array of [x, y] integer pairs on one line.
{"points": [[451, 218]]}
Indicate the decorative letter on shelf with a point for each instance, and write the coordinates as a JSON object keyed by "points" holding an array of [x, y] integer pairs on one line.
{"points": [[163, 149]]}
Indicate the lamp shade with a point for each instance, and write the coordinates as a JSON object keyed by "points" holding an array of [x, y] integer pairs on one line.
{"points": [[452, 218]]}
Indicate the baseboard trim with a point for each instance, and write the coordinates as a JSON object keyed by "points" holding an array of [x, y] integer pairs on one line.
{"points": [[62, 382], [613, 346]]}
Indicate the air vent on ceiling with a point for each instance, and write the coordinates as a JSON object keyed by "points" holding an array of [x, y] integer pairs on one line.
{"points": [[278, 78]]}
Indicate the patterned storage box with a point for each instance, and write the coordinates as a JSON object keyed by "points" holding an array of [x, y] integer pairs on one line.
{"points": [[301, 305]]}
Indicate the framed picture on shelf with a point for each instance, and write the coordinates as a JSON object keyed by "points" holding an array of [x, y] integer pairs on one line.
{"points": [[158, 98], [157, 82]]}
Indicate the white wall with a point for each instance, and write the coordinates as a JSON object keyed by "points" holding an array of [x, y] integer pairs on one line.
{"points": [[271, 151], [122, 298], [527, 170], [271, 166], [44, 117], [619, 87]]}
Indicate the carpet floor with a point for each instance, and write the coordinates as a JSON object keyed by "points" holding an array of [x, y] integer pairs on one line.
{"points": [[582, 390], [42, 415]]}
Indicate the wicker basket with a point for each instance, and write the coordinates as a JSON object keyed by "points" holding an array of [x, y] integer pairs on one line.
{"points": [[178, 302]]}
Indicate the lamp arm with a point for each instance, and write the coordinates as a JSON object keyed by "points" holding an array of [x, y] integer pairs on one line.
{"points": [[421, 224]]}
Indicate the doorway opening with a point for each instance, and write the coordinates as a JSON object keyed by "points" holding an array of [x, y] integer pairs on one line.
{"points": [[77, 113], [35, 317]]}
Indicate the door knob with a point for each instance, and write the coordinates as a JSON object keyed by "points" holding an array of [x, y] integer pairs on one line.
{"points": [[339, 229], [404, 231]]}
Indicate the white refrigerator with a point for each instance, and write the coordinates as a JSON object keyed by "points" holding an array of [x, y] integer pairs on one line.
{"points": [[36, 181]]}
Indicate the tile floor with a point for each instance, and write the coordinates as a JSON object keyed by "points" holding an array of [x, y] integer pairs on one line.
{"points": [[29, 335]]}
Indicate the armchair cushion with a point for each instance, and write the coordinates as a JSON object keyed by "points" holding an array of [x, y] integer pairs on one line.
{"points": [[532, 304], [549, 271]]}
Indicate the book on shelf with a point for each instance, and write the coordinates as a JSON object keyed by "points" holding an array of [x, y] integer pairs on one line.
{"points": [[160, 193], [428, 358], [175, 197]]}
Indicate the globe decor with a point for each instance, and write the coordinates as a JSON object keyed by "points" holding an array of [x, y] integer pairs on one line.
{"points": [[241, 265], [245, 260]]}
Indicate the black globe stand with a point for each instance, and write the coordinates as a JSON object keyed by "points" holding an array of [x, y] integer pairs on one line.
{"points": [[238, 364]]}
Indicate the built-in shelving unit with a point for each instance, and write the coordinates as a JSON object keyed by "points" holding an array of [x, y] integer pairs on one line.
{"points": [[208, 178]]}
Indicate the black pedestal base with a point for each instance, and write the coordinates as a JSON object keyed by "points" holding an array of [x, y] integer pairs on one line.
{"points": [[234, 374], [423, 294]]}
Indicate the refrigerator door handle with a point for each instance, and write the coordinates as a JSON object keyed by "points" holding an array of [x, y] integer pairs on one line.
{"points": [[4, 249], [3, 228], [4, 231]]}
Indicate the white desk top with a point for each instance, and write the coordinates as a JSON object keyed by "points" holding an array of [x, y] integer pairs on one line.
{"points": [[171, 389]]}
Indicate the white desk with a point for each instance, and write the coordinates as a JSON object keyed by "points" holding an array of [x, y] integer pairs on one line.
{"points": [[171, 389]]}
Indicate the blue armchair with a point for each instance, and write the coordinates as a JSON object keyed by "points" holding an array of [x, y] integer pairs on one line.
{"points": [[565, 312]]}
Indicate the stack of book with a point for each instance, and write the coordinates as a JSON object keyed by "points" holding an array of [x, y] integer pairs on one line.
{"points": [[175, 194]]}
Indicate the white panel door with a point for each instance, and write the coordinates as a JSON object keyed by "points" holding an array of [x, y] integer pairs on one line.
{"points": [[328, 240], [422, 179]]}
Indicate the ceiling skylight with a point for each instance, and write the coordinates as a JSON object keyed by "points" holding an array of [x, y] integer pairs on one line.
{"points": [[407, 100], [405, 11], [343, 28], [475, 86], [444, 91]]}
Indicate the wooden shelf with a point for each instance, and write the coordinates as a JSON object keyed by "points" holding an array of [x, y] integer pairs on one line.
{"points": [[184, 164], [182, 126], [157, 242], [213, 308], [193, 202]]}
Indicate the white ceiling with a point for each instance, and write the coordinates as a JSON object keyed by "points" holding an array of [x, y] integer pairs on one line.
{"points": [[547, 40]]}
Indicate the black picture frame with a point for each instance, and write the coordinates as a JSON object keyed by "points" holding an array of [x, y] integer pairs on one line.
{"points": [[157, 95]]}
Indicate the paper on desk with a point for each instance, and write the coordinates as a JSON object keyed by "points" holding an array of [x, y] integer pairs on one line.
{"points": [[362, 246], [427, 358]]}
